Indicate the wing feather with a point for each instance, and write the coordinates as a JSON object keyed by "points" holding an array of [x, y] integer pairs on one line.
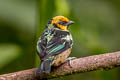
{"points": [[59, 42]]}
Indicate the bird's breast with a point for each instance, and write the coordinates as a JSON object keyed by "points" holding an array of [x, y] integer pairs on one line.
{"points": [[61, 58]]}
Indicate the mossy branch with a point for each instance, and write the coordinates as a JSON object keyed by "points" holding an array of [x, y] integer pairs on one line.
{"points": [[86, 64]]}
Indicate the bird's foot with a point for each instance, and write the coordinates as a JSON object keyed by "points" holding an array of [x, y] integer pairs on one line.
{"points": [[69, 59]]}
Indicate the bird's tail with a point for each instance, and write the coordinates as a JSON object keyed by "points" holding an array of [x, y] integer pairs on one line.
{"points": [[45, 67]]}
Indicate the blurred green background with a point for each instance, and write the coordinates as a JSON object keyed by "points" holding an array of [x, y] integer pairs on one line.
{"points": [[96, 31]]}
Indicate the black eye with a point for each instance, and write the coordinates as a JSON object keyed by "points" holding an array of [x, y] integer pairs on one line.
{"points": [[62, 23]]}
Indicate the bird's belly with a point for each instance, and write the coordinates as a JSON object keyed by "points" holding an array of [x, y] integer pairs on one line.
{"points": [[61, 58]]}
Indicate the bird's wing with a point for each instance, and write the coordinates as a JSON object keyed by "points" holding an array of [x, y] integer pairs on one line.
{"points": [[55, 43], [41, 44], [60, 42]]}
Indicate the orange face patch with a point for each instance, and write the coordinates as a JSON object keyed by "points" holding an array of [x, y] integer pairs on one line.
{"points": [[58, 19], [62, 27]]}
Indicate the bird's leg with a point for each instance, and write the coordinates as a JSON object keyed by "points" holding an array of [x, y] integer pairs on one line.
{"points": [[69, 59]]}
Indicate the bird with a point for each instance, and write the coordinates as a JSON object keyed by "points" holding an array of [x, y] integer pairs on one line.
{"points": [[55, 44]]}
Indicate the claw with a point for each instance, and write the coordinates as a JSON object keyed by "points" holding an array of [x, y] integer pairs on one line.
{"points": [[69, 59]]}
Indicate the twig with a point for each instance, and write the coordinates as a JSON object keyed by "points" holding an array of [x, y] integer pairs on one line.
{"points": [[86, 64]]}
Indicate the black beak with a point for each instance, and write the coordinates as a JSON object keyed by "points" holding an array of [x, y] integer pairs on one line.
{"points": [[70, 22]]}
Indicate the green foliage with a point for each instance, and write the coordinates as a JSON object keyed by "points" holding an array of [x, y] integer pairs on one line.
{"points": [[17, 28], [8, 53]]}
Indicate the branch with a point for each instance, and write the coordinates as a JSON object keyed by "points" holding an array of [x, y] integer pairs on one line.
{"points": [[86, 64]]}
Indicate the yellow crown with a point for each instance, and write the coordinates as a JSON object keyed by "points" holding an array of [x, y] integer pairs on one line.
{"points": [[58, 19]]}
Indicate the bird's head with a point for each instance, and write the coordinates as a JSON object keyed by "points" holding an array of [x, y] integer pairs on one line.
{"points": [[61, 22]]}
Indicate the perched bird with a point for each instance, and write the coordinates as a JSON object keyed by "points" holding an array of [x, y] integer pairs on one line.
{"points": [[55, 43]]}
